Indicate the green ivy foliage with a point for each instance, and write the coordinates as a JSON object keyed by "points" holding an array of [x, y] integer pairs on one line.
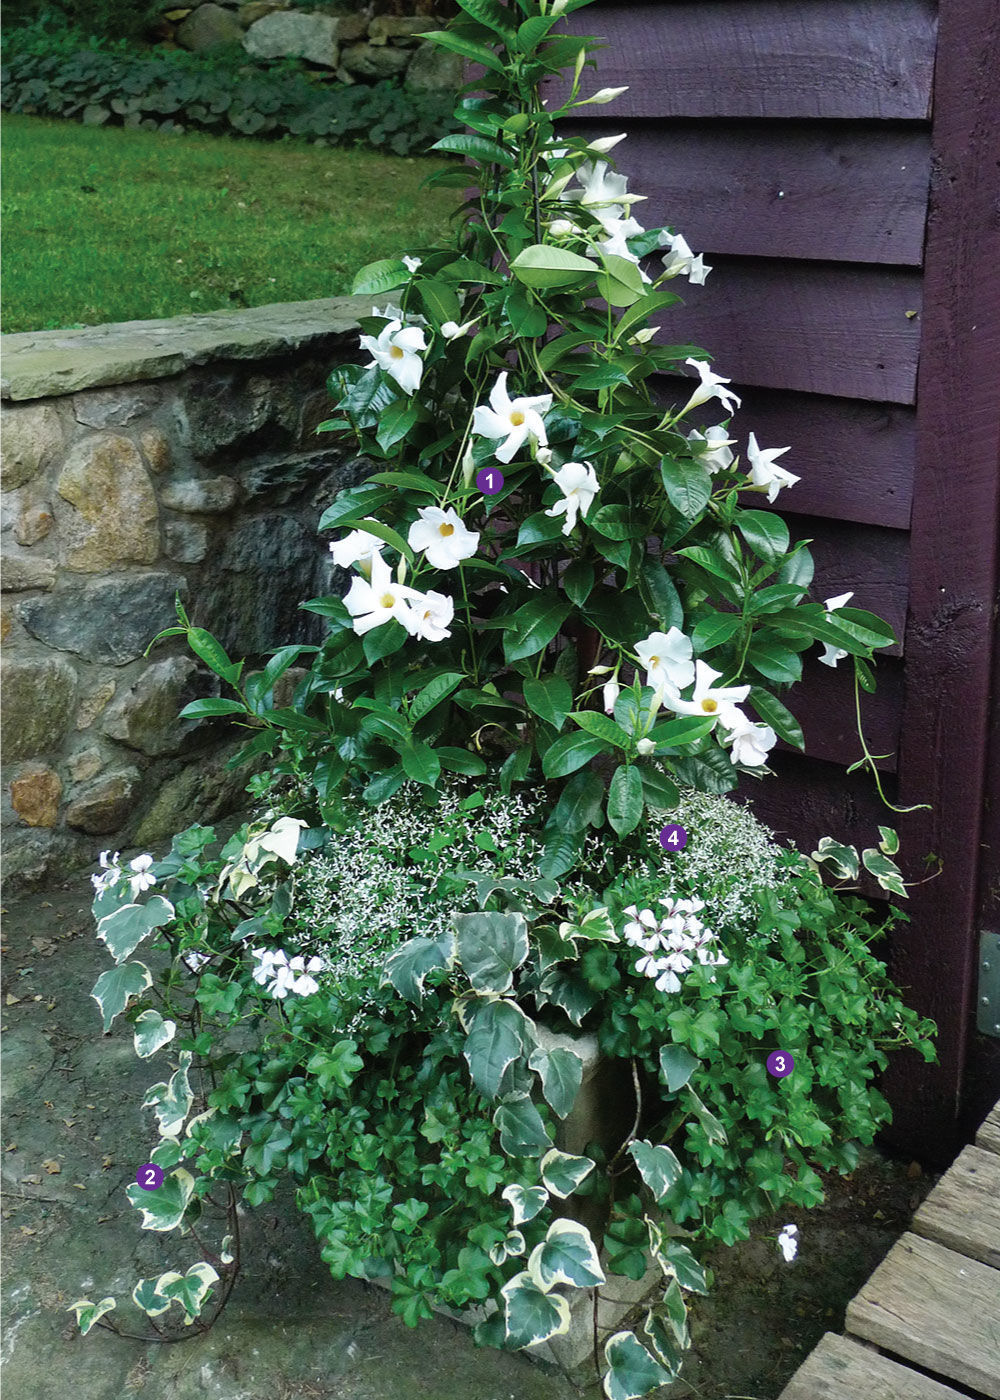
{"points": [[162, 88]]}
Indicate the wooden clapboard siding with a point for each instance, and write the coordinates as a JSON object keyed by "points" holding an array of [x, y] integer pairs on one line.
{"points": [[853, 58], [794, 145], [846, 192], [816, 328]]}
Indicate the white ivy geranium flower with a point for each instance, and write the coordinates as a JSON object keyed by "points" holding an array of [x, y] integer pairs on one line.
{"points": [[763, 471], [359, 547], [711, 387], [514, 420], [708, 700], [111, 872], [579, 485], [788, 1242], [667, 659], [832, 654], [379, 599], [750, 743], [395, 350], [711, 448], [432, 616], [141, 879], [442, 537]]}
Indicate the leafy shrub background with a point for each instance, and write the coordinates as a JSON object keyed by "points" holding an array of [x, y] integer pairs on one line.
{"points": [[170, 90]]}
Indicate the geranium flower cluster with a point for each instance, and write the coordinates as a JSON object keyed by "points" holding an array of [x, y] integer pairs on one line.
{"points": [[672, 943], [112, 872], [279, 975]]}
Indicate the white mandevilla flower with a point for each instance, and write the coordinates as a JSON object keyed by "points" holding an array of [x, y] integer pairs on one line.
{"points": [[112, 872], [680, 261], [411, 264], [667, 659], [610, 694], [711, 387], [602, 189], [359, 547], [391, 312], [763, 472], [708, 700], [445, 541], [750, 743], [619, 231], [788, 1242], [603, 96], [379, 599], [141, 880], [451, 330], [832, 654], [514, 420], [395, 350], [432, 616], [711, 448], [579, 485]]}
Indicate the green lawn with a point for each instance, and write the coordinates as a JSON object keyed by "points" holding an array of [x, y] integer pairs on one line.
{"points": [[107, 224]]}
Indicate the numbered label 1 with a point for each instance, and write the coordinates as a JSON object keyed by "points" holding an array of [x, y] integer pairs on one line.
{"points": [[149, 1176], [780, 1064], [673, 838], [489, 480]]}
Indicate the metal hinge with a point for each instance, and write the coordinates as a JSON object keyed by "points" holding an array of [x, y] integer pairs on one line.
{"points": [[988, 995]]}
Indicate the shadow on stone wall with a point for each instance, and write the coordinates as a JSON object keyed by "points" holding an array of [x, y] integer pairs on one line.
{"points": [[141, 461]]}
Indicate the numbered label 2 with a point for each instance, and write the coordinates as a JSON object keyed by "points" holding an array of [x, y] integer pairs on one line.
{"points": [[149, 1176]]}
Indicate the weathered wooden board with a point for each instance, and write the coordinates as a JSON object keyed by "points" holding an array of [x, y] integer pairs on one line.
{"points": [[809, 799], [963, 1210], [938, 1309], [823, 703], [988, 1137], [844, 193], [841, 1369], [955, 567], [767, 58], [854, 460], [852, 332], [871, 562]]}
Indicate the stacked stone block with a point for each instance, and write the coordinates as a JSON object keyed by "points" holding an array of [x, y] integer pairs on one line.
{"points": [[144, 462]]}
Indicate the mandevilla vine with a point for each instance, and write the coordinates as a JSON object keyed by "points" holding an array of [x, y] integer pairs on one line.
{"points": [[558, 598]]}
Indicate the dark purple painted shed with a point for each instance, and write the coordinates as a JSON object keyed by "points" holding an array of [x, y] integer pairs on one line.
{"points": [[838, 162]]}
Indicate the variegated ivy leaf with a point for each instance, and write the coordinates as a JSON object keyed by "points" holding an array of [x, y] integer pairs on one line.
{"points": [[888, 841], [167, 1153], [595, 926], [87, 1313], [509, 1247], [658, 1166], [561, 1073], [526, 1201], [711, 1126], [668, 1348], [190, 1289], [172, 1100], [886, 872], [146, 1295], [115, 988], [522, 1132], [677, 1066], [632, 1372], [281, 840], [566, 1255], [842, 860], [152, 1032], [163, 1209], [489, 947], [407, 967], [226, 1255], [677, 1261], [125, 929], [499, 1034], [563, 1173], [530, 1315]]}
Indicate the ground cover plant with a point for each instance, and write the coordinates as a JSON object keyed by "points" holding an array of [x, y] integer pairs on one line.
{"points": [[562, 631], [91, 219]]}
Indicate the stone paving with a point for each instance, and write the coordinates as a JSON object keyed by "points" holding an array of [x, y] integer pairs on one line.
{"points": [[72, 1139]]}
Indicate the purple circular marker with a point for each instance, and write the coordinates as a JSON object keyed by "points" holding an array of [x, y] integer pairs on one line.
{"points": [[489, 480], [149, 1176], [780, 1064], [673, 838]]}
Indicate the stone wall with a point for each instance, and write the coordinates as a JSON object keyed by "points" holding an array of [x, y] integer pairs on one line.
{"points": [[140, 461]]}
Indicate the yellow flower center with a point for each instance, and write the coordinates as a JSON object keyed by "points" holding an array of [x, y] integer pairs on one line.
{"points": [[654, 662], [388, 600], [710, 706], [517, 418], [446, 530], [395, 353]]}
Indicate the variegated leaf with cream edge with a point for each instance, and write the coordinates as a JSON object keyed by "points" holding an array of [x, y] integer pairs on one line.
{"points": [[526, 1201], [172, 1100], [163, 1209], [115, 988], [530, 1314], [123, 930], [87, 1313], [151, 1033], [566, 1255], [563, 1173]]}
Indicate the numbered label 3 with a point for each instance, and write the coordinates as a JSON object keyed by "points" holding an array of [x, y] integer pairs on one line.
{"points": [[780, 1064]]}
